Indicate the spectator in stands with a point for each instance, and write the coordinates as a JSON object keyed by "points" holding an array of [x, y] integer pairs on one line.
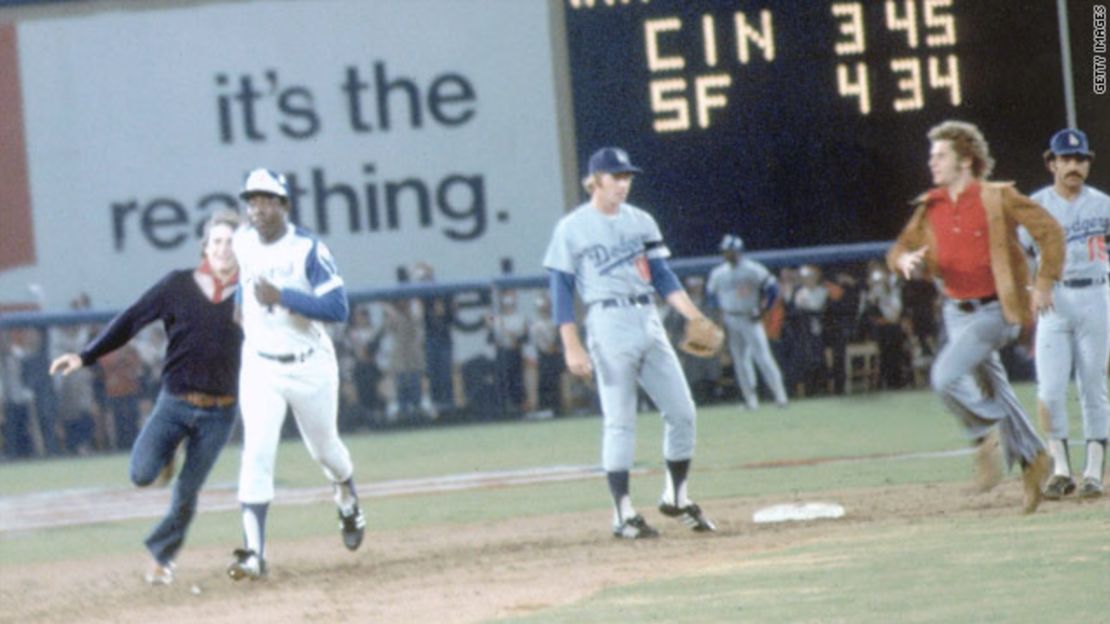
{"points": [[406, 359], [810, 300], [122, 372], [508, 330], [920, 304], [882, 317], [36, 362], [364, 340], [783, 327], [18, 398], [842, 319], [439, 316], [543, 335], [78, 410]]}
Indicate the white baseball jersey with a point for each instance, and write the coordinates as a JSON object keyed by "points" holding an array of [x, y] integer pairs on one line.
{"points": [[607, 254], [298, 261]]}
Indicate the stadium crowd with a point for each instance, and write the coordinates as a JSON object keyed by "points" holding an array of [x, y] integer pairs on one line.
{"points": [[842, 329]]}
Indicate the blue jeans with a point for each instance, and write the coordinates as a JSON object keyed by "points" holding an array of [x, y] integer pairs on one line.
{"points": [[204, 431]]}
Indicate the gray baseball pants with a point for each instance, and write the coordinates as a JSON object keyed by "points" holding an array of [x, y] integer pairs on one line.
{"points": [[972, 383]]}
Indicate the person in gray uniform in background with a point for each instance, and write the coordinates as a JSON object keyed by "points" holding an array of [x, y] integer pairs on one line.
{"points": [[613, 255], [744, 289], [1076, 332]]}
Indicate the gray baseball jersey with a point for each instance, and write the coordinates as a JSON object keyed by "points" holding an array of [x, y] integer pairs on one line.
{"points": [[1077, 332], [608, 256], [739, 290]]}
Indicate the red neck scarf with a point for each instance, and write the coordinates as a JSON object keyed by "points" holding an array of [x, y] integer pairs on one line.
{"points": [[218, 291]]}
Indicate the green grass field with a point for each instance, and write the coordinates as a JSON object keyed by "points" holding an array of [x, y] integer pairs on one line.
{"points": [[1001, 568]]}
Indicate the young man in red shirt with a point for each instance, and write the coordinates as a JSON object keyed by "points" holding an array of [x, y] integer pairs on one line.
{"points": [[964, 231]]}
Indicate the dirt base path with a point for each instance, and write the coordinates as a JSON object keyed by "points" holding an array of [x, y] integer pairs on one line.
{"points": [[461, 574]]}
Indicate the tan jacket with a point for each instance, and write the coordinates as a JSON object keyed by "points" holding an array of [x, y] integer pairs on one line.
{"points": [[1006, 209]]}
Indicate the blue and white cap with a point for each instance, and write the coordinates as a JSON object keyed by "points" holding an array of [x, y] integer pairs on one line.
{"points": [[732, 242], [612, 160], [262, 181], [1070, 142]]}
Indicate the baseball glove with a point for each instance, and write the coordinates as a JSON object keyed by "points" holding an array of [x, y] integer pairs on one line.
{"points": [[703, 338]]}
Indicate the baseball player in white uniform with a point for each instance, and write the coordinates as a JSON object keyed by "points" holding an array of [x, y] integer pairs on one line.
{"points": [[1076, 334], [744, 289], [289, 287], [613, 255]]}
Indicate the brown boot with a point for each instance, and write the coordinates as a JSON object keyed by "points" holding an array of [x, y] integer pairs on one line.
{"points": [[988, 462], [1033, 475]]}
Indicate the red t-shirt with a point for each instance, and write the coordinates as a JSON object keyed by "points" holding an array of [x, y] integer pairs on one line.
{"points": [[963, 243]]}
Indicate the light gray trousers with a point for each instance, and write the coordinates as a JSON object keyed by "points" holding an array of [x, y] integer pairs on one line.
{"points": [[972, 383]]}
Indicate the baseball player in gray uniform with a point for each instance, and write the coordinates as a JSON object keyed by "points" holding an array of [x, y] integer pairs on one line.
{"points": [[613, 255], [1075, 335], [744, 289], [290, 287]]}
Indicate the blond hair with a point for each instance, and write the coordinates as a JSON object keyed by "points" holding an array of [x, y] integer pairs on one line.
{"points": [[968, 142], [223, 216]]}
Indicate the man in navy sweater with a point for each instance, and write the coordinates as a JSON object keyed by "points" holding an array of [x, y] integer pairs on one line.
{"points": [[200, 376]]}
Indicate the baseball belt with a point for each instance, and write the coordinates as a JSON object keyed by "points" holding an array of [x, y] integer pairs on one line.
{"points": [[286, 358], [1083, 282], [620, 302]]}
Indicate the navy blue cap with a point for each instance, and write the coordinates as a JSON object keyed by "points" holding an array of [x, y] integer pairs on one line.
{"points": [[1069, 142], [612, 160], [732, 242]]}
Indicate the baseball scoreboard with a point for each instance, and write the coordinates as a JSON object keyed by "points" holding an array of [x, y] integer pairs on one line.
{"points": [[803, 122]]}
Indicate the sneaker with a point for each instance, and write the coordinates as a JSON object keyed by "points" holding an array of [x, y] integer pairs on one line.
{"points": [[988, 464], [160, 574], [353, 526], [247, 564], [635, 528], [1033, 475], [690, 515], [1091, 488], [1058, 487]]}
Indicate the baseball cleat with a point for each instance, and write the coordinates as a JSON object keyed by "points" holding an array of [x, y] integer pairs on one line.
{"points": [[1058, 487], [1033, 475], [353, 526], [1091, 488], [690, 515], [160, 574], [247, 564], [635, 528]]}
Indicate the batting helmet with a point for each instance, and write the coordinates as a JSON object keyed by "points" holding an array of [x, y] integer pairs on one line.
{"points": [[732, 242], [264, 182]]}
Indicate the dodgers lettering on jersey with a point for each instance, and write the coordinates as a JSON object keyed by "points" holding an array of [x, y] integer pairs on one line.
{"points": [[738, 288], [298, 261], [607, 254], [1086, 223]]}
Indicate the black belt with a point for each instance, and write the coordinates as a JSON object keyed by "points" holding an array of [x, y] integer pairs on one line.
{"points": [[618, 302], [971, 305], [286, 358], [1083, 282]]}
